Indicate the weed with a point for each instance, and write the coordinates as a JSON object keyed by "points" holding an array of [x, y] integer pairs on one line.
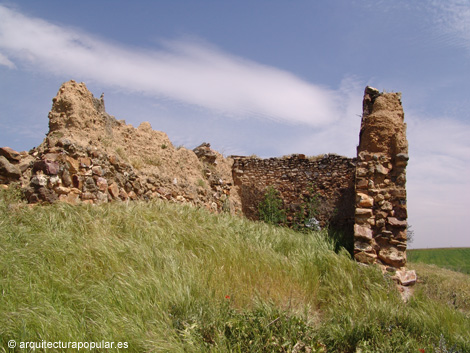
{"points": [[443, 347], [201, 183], [226, 204], [137, 163], [152, 160], [105, 141], [56, 134], [121, 153], [271, 208]]}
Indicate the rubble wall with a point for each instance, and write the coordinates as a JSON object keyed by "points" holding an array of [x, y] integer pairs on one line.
{"points": [[90, 157], [382, 156], [329, 178]]}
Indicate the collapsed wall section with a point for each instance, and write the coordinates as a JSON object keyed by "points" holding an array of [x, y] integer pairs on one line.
{"points": [[329, 178], [90, 157], [382, 156]]}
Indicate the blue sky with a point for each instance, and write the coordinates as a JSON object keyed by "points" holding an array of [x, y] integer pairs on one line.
{"points": [[258, 77]]}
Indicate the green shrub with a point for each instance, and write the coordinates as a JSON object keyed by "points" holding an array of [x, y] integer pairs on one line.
{"points": [[271, 208]]}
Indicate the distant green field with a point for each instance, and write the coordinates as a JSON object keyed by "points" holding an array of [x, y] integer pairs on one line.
{"points": [[456, 259]]}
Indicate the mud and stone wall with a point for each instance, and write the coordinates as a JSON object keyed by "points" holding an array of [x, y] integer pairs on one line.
{"points": [[382, 156], [90, 157], [328, 178]]}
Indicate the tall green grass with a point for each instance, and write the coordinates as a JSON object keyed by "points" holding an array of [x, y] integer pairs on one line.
{"points": [[172, 278]]}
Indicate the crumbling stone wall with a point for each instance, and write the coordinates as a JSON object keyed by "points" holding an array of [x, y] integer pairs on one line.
{"points": [[377, 215], [382, 156], [90, 157], [329, 177]]}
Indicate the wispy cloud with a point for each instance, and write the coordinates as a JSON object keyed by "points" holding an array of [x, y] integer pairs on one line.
{"points": [[6, 62], [452, 19], [186, 71], [342, 137]]}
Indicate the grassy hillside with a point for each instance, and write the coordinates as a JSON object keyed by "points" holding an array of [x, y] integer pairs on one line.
{"points": [[456, 259], [171, 278]]}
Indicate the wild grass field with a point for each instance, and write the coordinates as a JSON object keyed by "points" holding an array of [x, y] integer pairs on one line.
{"points": [[171, 278], [456, 259]]}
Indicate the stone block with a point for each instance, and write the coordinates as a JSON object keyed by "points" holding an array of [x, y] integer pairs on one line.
{"points": [[47, 195], [406, 278], [394, 222], [8, 169], [88, 196], [51, 156], [113, 190], [72, 165], [84, 162], [39, 180], [364, 200], [10, 154], [62, 190], [392, 256], [364, 212], [123, 195], [401, 159], [365, 257], [97, 170], [380, 169], [362, 232], [362, 246], [102, 184]]}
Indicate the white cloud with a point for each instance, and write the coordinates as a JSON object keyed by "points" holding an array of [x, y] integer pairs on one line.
{"points": [[438, 183], [340, 137], [6, 62], [189, 72]]}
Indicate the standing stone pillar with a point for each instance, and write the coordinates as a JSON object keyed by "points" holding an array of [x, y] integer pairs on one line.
{"points": [[382, 156]]}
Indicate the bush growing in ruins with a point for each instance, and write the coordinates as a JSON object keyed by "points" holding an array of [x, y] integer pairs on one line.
{"points": [[305, 219], [271, 208]]}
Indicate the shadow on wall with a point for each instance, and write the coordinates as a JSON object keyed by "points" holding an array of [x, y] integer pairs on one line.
{"points": [[327, 180]]}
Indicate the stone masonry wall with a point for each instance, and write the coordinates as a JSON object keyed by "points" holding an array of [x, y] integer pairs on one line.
{"points": [[381, 214], [329, 177]]}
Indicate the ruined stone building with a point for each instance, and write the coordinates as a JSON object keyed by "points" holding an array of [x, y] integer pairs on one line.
{"points": [[90, 157]]}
